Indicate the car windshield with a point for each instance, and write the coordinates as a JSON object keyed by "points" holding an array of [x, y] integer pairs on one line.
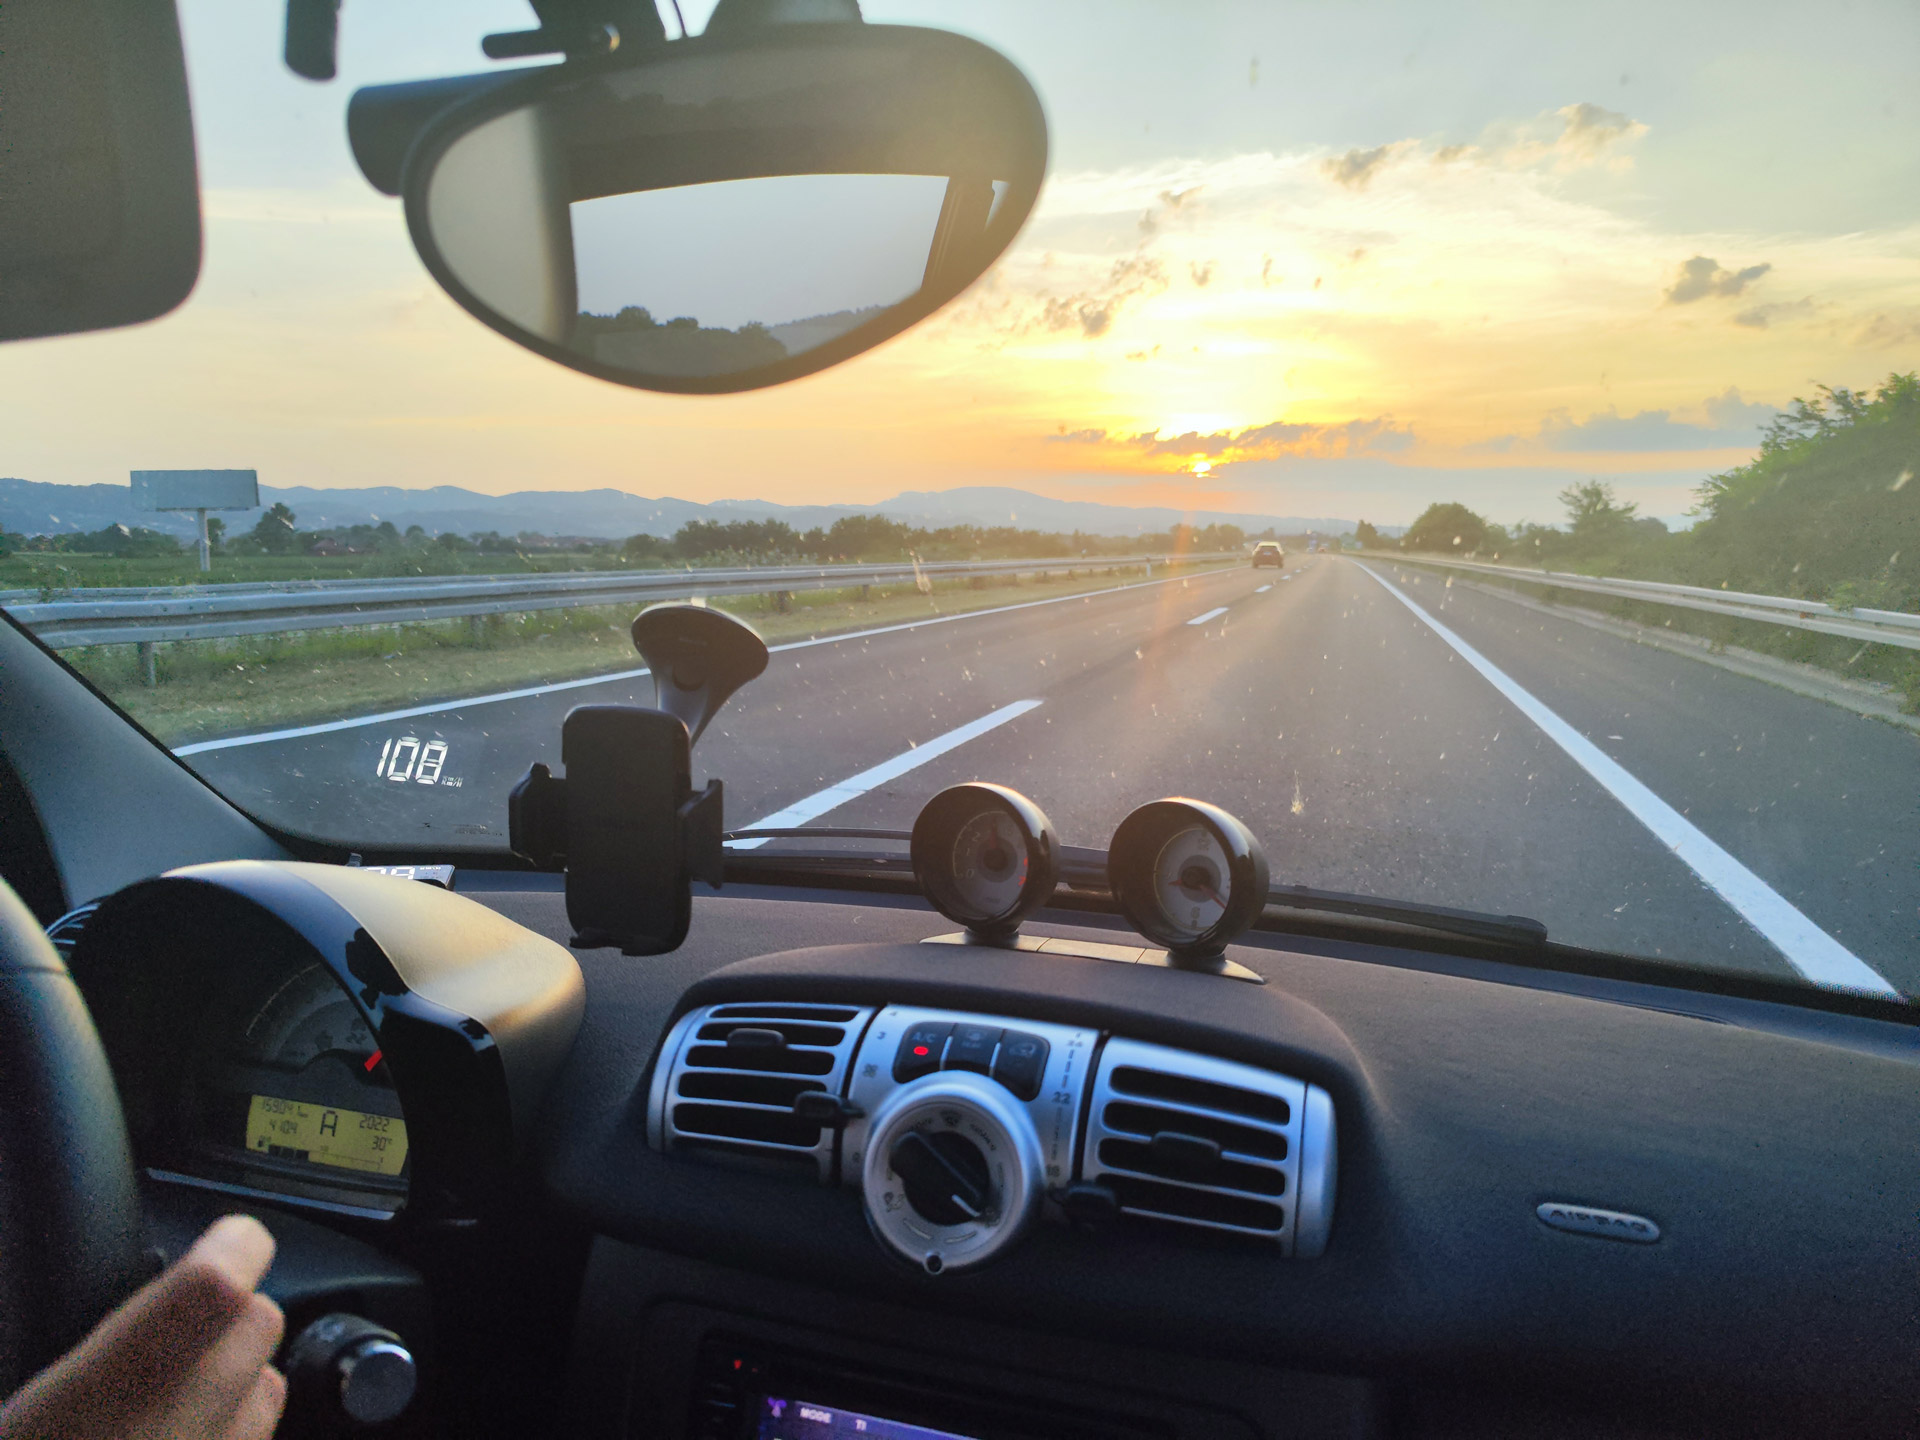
{"points": [[1567, 353]]}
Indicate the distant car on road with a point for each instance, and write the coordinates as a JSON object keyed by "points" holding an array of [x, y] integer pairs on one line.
{"points": [[1268, 552]]}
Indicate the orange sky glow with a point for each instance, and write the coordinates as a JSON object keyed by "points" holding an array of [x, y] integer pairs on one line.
{"points": [[1322, 329]]}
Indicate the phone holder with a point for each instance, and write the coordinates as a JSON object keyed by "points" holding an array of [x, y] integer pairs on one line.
{"points": [[625, 824]]}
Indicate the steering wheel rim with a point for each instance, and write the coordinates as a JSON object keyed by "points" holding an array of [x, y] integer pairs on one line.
{"points": [[71, 1236]]}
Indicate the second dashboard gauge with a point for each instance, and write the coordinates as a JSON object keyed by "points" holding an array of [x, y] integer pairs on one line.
{"points": [[986, 856], [1187, 875]]}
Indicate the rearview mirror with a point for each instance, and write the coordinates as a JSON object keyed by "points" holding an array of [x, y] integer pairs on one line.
{"points": [[728, 212]]}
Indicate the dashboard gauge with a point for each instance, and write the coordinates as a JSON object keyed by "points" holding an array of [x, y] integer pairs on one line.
{"points": [[1187, 875], [325, 1036], [985, 856], [1191, 882], [314, 1084]]}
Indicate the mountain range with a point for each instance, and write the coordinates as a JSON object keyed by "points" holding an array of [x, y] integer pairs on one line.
{"points": [[36, 508]]}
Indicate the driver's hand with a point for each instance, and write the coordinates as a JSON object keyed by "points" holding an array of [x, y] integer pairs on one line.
{"points": [[185, 1359]]}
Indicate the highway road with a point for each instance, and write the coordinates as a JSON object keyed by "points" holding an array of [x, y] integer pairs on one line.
{"points": [[1381, 732]]}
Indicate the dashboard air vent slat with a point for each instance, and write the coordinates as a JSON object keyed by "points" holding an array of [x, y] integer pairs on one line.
{"points": [[1220, 1173], [1197, 1141], [727, 1076], [1262, 1142], [1215, 1208], [1203, 1094], [744, 1089]]}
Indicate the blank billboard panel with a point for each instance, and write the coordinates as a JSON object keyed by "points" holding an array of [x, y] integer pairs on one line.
{"points": [[196, 489]]}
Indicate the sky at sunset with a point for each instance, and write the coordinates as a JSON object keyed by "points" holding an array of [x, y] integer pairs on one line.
{"points": [[1290, 259]]}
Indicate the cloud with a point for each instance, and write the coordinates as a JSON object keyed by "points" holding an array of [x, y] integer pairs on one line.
{"points": [[1092, 311], [1169, 205], [1759, 317], [1590, 129], [1730, 412], [1355, 168], [1701, 277], [1731, 421], [1573, 137], [1890, 328], [1379, 435]]}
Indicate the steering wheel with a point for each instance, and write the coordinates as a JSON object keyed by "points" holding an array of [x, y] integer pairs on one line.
{"points": [[71, 1245]]}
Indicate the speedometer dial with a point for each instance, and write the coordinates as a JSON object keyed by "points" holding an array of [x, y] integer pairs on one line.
{"points": [[985, 856], [303, 1089], [1187, 875], [990, 862], [1191, 881]]}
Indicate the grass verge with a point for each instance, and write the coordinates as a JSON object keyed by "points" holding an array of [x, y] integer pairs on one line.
{"points": [[210, 688]]}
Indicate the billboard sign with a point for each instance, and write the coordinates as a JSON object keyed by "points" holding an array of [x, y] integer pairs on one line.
{"points": [[196, 489]]}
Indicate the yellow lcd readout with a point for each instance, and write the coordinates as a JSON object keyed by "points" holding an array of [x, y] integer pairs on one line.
{"points": [[326, 1135]]}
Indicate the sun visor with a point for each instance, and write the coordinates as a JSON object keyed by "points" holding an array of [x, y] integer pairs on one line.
{"points": [[99, 191]]}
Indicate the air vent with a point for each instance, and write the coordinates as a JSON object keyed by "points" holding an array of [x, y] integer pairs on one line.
{"points": [[727, 1078], [65, 932], [1197, 1141]]}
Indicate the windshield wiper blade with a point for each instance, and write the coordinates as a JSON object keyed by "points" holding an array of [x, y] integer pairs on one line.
{"points": [[1502, 929]]}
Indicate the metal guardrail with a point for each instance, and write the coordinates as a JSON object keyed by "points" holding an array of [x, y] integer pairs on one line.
{"points": [[1881, 627], [205, 612]]}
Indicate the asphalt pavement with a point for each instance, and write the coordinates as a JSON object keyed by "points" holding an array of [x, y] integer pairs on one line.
{"points": [[1380, 731]]}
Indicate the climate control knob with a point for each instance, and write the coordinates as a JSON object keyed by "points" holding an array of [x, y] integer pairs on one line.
{"points": [[954, 1171]]}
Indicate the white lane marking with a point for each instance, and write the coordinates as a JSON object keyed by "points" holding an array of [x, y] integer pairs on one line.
{"points": [[1808, 948], [802, 812], [297, 731], [1263, 589], [327, 727], [1213, 614]]}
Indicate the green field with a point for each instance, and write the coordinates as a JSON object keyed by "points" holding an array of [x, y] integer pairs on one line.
{"points": [[208, 688]]}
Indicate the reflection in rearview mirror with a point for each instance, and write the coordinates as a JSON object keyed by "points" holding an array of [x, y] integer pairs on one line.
{"points": [[724, 217], [736, 274]]}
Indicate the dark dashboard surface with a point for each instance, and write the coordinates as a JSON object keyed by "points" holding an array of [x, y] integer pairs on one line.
{"points": [[1753, 1135]]}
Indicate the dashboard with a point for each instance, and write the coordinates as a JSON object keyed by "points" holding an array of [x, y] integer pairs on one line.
{"points": [[834, 1168]]}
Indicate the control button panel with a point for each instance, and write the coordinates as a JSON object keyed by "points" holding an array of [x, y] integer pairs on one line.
{"points": [[1043, 1068], [1020, 1062], [972, 1047], [1016, 1058], [922, 1049]]}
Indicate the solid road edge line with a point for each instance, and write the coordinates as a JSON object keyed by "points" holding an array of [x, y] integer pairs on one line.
{"points": [[1811, 951]]}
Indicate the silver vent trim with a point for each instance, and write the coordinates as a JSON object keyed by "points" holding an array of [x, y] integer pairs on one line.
{"points": [[1192, 1140], [714, 1096]]}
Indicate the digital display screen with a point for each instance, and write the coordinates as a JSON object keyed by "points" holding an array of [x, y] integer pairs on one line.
{"points": [[803, 1420], [326, 1135]]}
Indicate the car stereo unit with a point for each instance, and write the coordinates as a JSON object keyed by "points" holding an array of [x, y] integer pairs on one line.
{"points": [[747, 1392]]}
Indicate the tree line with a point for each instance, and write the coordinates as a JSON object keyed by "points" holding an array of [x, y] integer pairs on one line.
{"points": [[1827, 510], [852, 537]]}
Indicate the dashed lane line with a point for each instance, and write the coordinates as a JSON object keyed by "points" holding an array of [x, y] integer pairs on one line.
{"points": [[802, 812]]}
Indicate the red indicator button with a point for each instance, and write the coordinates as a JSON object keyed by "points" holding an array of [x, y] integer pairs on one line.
{"points": [[921, 1050], [373, 1060]]}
